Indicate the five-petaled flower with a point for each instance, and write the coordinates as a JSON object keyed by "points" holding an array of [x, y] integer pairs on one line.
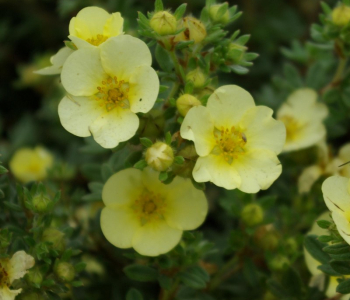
{"points": [[11, 269], [143, 213], [107, 86], [237, 142], [303, 117]]}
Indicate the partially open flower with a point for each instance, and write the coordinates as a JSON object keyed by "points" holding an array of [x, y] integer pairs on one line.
{"points": [[93, 26], [107, 87], [159, 156], [303, 116], [143, 213], [31, 164], [237, 142], [11, 269]]}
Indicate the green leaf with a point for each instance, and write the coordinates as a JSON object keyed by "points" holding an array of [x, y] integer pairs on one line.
{"points": [[12, 206], [77, 283], [163, 88], [141, 164], [3, 170], [340, 267], [327, 269], [325, 238], [341, 256], [222, 10], [106, 171], [163, 58], [134, 294], [179, 12], [179, 160], [314, 247], [141, 273], [195, 277], [198, 185], [70, 45], [158, 5], [292, 283], [168, 138], [277, 289], [239, 69], [326, 8], [165, 282], [80, 267], [183, 44], [339, 248], [243, 39], [146, 142], [324, 224], [163, 176], [344, 287], [250, 56]]}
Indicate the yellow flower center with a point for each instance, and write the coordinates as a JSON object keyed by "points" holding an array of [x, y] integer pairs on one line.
{"points": [[4, 277], [149, 207], [293, 127], [100, 38], [113, 93], [230, 143]]}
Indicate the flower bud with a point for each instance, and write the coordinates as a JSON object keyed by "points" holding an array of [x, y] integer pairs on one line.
{"points": [[194, 30], [215, 17], [185, 102], [32, 296], [185, 170], [151, 124], [266, 237], [252, 214], [34, 276], [235, 53], [278, 262], [5, 238], [197, 77], [159, 156], [341, 15], [41, 202], [65, 271], [55, 237], [164, 23]]}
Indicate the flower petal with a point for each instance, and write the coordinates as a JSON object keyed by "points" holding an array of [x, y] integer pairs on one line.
{"points": [[89, 22], [18, 265], [113, 127], [82, 72], [7, 294], [262, 131], [215, 169], [199, 128], [144, 88], [150, 179], [228, 104], [114, 25], [120, 56], [123, 187], [258, 169], [57, 62], [343, 225], [79, 43], [308, 177], [155, 238], [119, 226], [186, 207], [77, 113], [336, 194]]}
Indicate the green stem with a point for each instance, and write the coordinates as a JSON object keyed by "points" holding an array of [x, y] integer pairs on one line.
{"points": [[177, 66], [338, 76], [170, 294], [174, 90]]}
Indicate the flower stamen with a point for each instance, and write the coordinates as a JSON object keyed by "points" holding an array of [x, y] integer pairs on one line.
{"points": [[100, 38]]}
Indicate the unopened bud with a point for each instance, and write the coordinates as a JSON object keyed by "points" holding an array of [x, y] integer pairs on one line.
{"points": [[34, 276], [266, 237], [235, 52], [65, 271], [152, 124], [341, 15], [215, 17], [41, 202], [194, 30], [197, 77], [252, 214], [55, 237], [185, 102], [164, 23], [159, 156], [279, 262]]}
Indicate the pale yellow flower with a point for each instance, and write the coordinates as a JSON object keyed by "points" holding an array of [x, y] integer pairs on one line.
{"points": [[303, 116], [318, 277], [57, 62], [31, 164], [94, 26], [11, 269], [326, 165], [108, 86], [237, 142], [143, 213], [336, 194]]}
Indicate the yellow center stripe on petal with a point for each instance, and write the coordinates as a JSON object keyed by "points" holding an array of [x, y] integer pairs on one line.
{"points": [[293, 127], [229, 143], [113, 93], [149, 207], [98, 40]]}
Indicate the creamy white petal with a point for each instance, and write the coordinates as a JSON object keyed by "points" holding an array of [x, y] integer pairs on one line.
{"points": [[343, 225], [114, 25], [78, 42], [336, 194], [82, 72], [77, 113], [7, 294], [144, 88], [308, 177], [18, 265], [199, 128], [113, 127], [57, 62], [228, 104]]}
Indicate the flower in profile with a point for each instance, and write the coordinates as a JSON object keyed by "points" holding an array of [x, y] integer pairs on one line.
{"points": [[12, 269], [143, 213], [237, 142], [94, 26], [318, 277], [326, 165], [303, 116], [31, 164], [107, 86], [57, 62], [336, 195]]}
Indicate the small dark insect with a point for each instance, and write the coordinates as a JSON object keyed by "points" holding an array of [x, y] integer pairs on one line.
{"points": [[244, 137], [140, 99]]}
